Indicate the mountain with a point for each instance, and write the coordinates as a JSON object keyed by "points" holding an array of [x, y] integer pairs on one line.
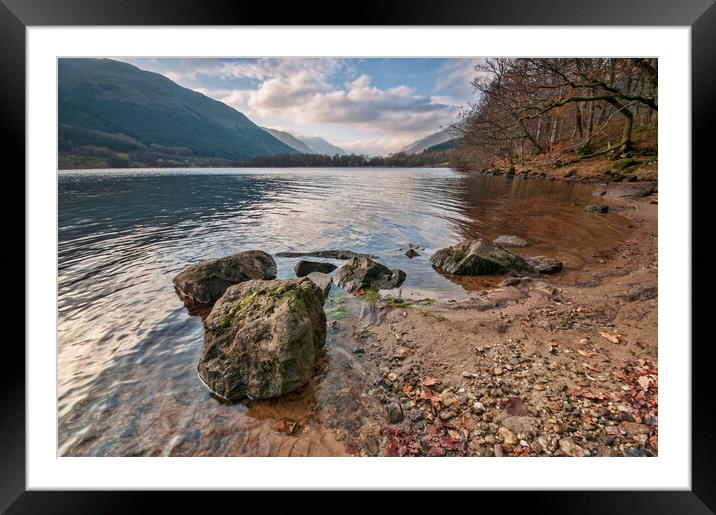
{"points": [[290, 140], [430, 140], [321, 146], [445, 145], [107, 105]]}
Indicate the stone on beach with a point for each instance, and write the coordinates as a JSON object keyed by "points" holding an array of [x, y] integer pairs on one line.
{"points": [[510, 241], [545, 265], [362, 273], [480, 257], [597, 208], [262, 338], [205, 282]]}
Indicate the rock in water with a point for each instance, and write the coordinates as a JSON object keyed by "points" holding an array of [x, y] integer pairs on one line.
{"points": [[333, 254], [544, 264], [262, 338], [597, 208], [480, 257], [411, 253], [510, 240], [361, 272], [303, 268], [205, 282], [323, 281]]}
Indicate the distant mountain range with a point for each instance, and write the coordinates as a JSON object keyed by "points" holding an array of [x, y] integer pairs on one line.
{"points": [[306, 145], [431, 140], [115, 106]]}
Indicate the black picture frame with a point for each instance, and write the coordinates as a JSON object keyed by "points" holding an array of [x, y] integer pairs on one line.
{"points": [[17, 15]]}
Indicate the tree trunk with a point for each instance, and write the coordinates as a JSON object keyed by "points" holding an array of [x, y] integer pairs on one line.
{"points": [[552, 133], [590, 122]]}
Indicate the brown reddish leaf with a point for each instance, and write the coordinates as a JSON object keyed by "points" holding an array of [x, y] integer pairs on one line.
{"points": [[585, 353], [437, 451], [454, 434], [654, 442], [614, 338], [514, 406], [432, 430], [428, 394], [449, 443], [428, 381], [591, 367], [407, 388], [621, 376], [522, 451], [644, 382], [391, 447], [612, 431]]}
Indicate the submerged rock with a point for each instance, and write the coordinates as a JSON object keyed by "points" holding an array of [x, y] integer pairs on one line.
{"points": [[323, 281], [510, 241], [303, 268], [633, 190], [411, 253], [262, 338], [597, 208], [205, 282], [480, 257], [363, 273], [544, 264], [333, 254]]}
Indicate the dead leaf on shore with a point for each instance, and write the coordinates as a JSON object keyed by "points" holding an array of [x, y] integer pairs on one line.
{"points": [[591, 367], [644, 382], [585, 353], [428, 381], [614, 338]]}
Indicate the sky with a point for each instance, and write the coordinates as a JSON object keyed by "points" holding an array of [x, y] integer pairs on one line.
{"points": [[369, 106]]}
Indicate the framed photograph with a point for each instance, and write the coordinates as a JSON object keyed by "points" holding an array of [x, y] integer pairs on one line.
{"points": [[420, 251]]}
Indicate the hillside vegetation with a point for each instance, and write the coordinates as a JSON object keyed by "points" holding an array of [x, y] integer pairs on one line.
{"points": [[114, 114], [587, 117]]}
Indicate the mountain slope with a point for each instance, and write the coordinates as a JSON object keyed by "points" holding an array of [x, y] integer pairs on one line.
{"points": [[114, 105], [321, 146], [290, 140], [430, 141]]}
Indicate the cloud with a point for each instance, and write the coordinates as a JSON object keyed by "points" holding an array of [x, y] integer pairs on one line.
{"points": [[307, 98], [455, 76]]}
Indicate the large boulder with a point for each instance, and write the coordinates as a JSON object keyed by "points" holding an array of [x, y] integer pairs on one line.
{"points": [[205, 282], [480, 257], [303, 267], [323, 281], [362, 273], [262, 339]]}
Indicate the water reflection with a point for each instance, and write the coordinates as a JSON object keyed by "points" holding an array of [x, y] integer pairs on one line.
{"points": [[128, 350]]}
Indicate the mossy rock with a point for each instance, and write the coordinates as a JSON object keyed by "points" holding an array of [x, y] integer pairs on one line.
{"points": [[203, 283], [362, 273], [262, 339], [480, 257]]}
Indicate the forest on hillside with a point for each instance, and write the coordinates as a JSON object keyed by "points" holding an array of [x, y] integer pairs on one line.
{"points": [[541, 108]]}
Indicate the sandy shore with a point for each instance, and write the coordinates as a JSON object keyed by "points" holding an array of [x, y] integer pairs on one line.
{"points": [[546, 368]]}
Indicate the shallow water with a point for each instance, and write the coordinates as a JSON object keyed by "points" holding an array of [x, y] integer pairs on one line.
{"points": [[128, 350]]}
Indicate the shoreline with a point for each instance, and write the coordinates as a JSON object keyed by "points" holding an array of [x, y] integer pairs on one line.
{"points": [[517, 371]]}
